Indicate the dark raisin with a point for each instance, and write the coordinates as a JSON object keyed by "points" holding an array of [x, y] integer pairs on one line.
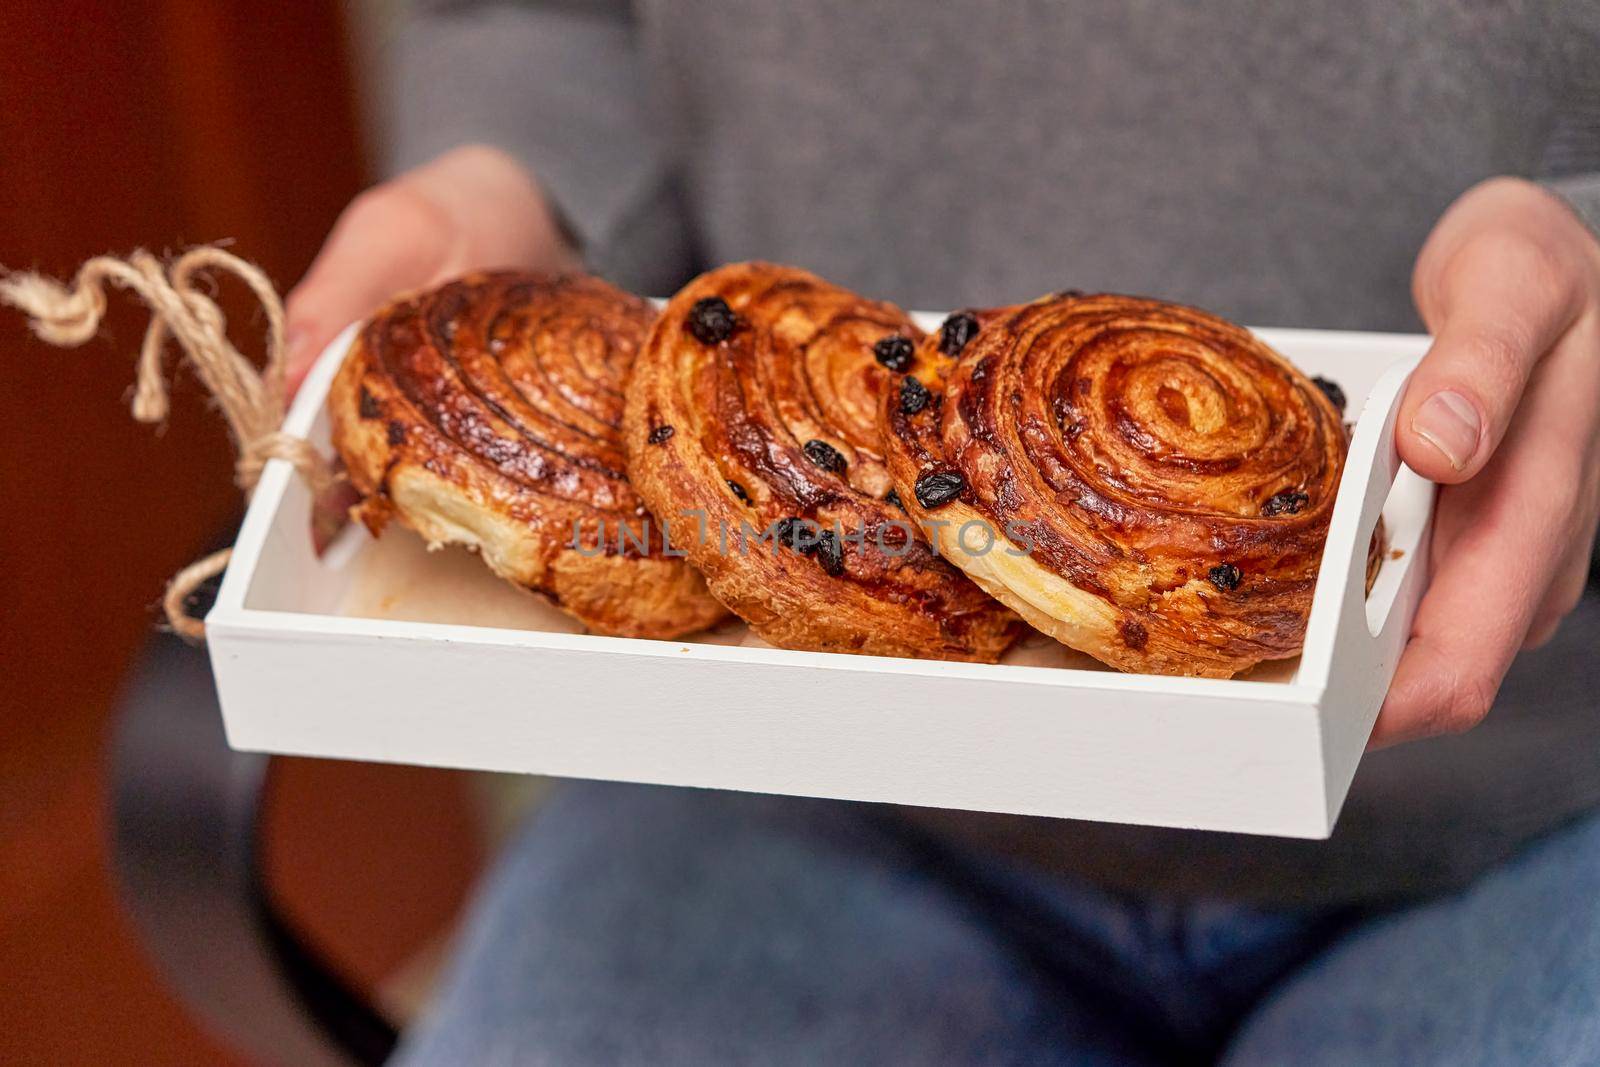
{"points": [[711, 320], [659, 435], [1061, 407], [937, 488], [957, 330], [368, 405], [1331, 390], [738, 490], [396, 433], [1069, 294], [1225, 576], [1134, 635], [796, 533], [1288, 502], [894, 352], [893, 497], [914, 396], [830, 553], [824, 455]]}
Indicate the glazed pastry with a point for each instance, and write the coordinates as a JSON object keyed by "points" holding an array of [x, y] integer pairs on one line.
{"points": [[487, 412], [1159, 481], [752, 428]]}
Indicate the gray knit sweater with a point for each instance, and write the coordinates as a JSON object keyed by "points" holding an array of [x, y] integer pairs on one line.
{"points": [[1276, 162]]}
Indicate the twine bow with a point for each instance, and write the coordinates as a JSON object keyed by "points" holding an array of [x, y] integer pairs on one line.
{"points": [[252, 401]]}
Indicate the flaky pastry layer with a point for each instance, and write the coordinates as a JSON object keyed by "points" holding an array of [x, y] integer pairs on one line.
{"points": [[487, 412], [753, 409], [1160, 480]]}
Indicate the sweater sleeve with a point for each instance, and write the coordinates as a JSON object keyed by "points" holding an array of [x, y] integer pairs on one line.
{"points": [[559, 86], [1582, 194], [1572, 154]]}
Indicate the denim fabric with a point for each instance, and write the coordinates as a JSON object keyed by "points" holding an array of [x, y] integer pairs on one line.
{"points": [[635, 924]]}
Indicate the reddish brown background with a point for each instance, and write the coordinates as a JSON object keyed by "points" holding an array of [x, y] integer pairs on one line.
{"points": [[130, 123]]}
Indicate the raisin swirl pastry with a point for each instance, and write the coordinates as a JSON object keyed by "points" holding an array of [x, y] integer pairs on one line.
{"points": [[487, 412], [1160, 482], [753, 411]]}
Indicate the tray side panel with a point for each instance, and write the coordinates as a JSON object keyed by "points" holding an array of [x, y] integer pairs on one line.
{"points": [[1250, 766], [1353, 641]]}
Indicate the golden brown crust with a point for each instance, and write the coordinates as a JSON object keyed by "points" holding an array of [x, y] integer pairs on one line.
{"points": [[487, 412], [1131, 454], [777, 420]]}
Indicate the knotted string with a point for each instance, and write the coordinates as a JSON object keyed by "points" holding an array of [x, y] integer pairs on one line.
{"points": [[252, 401]]}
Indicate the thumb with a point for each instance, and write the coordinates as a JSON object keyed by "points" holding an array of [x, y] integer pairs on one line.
{"points": [[391, 238], [1496, 307]]}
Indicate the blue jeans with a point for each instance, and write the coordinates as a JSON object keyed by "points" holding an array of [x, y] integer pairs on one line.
{"points": [[633, 924]]}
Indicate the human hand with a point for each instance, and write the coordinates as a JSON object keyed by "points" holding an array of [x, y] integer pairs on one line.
{"points": [[1504, 413], [472, 207]]}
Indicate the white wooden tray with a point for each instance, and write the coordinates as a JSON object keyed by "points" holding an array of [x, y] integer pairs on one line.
{"points": [[379, 650]]}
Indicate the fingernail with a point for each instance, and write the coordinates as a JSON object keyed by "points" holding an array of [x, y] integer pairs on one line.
{"points": [[1449, 422]]}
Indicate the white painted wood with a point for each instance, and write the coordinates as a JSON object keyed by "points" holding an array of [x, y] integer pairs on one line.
{"points": [[378, 652]]}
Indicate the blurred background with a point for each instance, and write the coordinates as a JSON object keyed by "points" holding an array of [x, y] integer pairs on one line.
{"points": [[160, 124]]}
